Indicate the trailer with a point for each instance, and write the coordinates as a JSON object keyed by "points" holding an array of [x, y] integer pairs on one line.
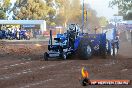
{"points": [[85, 45]]}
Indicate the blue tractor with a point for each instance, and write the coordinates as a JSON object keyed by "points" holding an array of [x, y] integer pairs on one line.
{"points": [[83, 44]]}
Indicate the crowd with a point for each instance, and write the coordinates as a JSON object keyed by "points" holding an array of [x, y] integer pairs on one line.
{"points": [[14, 33]]}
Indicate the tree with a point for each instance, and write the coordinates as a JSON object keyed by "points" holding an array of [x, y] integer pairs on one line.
{"points": [[2, 14], [123, 6], [30, 9], [51, 12], [103, 21], [129, 15], [4, 7], [70, 11], [34, 10], [55, 12]]}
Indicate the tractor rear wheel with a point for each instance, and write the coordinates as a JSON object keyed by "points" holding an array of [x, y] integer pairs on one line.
{"points": [[88, 51], [85, 50]]}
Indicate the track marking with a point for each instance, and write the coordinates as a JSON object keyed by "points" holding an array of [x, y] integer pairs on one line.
{"points": [[110, 63], [9, 76], [9, 62], [26, 71], [13, 65], [36, 83], [123, 70], [18, 73]]}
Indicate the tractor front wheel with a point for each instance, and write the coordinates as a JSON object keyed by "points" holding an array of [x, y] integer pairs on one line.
{"points": [[64, 55]]}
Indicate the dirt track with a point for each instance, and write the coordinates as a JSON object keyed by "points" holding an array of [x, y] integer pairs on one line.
{"points": [[21, 66]]}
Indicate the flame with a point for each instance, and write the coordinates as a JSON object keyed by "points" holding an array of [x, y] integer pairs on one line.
{"points": [[85, 73], [38, 45]]}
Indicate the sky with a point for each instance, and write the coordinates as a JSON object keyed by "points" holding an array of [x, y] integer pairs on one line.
{"points": [[101, 7]]}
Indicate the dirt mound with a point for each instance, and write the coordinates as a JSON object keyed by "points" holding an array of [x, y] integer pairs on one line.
{"points": [[22, 50]]}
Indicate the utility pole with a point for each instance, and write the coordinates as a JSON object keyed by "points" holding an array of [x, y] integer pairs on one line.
{"points": [[82, 16]]}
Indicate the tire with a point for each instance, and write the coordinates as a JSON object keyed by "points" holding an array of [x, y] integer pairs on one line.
{"points": [[46, 56], [104, 50], [64, 55], [85, 49], [88, 51]]}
